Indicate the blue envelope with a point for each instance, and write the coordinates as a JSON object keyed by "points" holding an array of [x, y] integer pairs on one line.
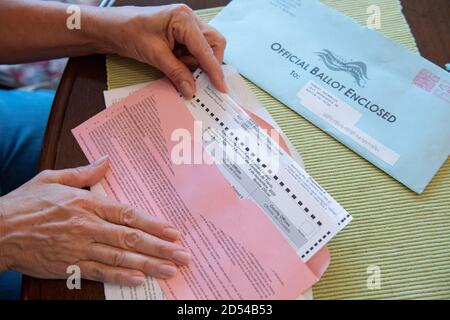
{"points": [[384, 102]]}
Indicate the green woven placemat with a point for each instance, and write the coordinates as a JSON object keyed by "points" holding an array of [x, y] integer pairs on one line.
{"points": [[407, 236]]}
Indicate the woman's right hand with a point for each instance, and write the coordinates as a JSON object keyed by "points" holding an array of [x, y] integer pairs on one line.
{"points": [[170, 38], [49, 223]]}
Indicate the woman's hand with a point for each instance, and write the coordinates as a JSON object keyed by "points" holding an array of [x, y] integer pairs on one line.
{"points": [[49, 224], [171, 38]]}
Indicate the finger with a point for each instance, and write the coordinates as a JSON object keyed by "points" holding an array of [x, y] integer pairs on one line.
{"points": [[174, 69], [96, 271], [135, 240], [151, 266], [216, 41], [186, 31], [80, 177], [125, 215]]}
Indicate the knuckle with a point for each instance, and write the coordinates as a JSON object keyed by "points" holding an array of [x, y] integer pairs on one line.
{"points": [[78, 221], [131, 239], [118, 258], [181, 9], [148, 267], [127, 216], [79, 224], [160, 249], [181, 15], [83, 200], [98, 274]]}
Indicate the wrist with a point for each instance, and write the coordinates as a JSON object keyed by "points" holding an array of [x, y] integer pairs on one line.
{"points": [[100, 28]]}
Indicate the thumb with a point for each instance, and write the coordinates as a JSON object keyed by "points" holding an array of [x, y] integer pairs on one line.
{"points": [[175, 70], [80, 177]]}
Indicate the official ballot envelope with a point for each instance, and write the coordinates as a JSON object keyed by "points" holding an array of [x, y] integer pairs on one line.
{"points": [[387, 104]]}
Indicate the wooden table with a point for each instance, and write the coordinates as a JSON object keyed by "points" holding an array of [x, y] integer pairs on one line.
{"points": [[80, 96]]}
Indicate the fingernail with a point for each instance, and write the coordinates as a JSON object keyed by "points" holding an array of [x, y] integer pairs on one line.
{"points": [[171, 233], [137, 280], [222, 87], [99, 161], [225, 87], [186, 89], [167, 270], [181, 257]]}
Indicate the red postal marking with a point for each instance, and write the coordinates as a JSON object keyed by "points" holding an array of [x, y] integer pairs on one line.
{"points": [[426, 80]]}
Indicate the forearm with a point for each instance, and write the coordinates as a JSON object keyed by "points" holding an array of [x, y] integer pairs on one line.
{"points": [[37, 30]]}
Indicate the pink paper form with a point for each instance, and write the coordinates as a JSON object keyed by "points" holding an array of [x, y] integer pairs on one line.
{"points": [[237, 251]]}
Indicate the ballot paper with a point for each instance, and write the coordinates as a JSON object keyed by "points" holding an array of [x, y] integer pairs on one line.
{"points": [[240, 92], [386, 103], [238, 252], [305, 213]]}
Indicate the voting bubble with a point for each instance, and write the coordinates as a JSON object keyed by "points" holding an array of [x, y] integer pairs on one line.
{"points": [[73, 22], [74, 279]]}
